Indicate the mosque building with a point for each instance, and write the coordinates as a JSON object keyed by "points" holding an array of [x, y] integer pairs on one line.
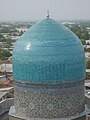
{"points": [[49, 73]]}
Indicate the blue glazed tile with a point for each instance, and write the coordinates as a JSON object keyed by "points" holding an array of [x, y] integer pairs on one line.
{"points": [[48, 53]]}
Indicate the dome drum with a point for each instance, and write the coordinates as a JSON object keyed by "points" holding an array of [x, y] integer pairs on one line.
{"points": [[49, 101]]}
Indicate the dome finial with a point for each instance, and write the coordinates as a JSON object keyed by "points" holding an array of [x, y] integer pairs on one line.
{"points": [[47, 13]]}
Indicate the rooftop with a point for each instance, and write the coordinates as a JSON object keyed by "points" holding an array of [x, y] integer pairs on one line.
{"points": [[2, 94]]}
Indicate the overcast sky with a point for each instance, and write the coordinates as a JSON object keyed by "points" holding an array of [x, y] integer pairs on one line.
{"points": [[35, 9]]}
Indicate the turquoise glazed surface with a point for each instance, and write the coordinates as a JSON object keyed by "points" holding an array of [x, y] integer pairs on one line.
{"points": [[48, 53]]}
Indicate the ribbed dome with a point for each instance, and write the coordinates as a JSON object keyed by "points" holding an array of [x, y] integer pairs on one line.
{"points": [[48, 53]]}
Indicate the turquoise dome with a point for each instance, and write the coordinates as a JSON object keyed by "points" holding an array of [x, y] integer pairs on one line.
{"points": [[48, 53]]}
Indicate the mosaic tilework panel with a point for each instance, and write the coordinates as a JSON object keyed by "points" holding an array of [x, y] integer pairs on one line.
{"points": [[45, 102], [11, 117], [48, 52]]}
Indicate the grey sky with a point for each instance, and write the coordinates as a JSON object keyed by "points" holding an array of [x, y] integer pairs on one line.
{"points": [[35, 9]]}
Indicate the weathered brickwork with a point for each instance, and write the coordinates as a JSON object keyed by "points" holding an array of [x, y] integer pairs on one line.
{"points": [[49, 101]]}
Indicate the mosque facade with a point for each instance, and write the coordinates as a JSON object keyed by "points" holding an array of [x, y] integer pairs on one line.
{"points": [[49, 73]]}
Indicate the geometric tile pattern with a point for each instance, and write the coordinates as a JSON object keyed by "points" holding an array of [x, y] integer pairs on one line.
{"points": [[49, 101]]}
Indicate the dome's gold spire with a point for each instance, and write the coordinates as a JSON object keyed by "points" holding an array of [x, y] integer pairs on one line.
{"points": [[47, 14]]}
